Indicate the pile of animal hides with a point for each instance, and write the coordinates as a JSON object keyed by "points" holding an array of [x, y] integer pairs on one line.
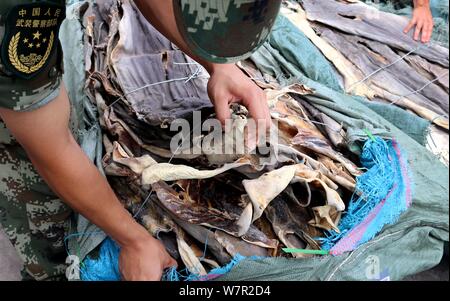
{"points": [[319, 187]]}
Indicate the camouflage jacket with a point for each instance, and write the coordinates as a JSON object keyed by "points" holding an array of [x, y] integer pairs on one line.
{"points": [[30, 55]]}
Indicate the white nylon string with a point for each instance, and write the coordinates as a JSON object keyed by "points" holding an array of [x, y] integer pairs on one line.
{"points": [[385, 67], [420, 89], [186, 79]]}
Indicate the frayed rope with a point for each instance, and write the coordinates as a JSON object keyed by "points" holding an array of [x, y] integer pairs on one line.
{"points": [[105, 267], [382, 194]]}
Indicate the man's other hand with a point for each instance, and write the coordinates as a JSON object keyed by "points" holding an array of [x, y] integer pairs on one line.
{"points": [[422, 20]]}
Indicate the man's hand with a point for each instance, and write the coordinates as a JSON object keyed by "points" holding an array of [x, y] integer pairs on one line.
{"points": [[144, 261], [229, 85], [422, 20]]}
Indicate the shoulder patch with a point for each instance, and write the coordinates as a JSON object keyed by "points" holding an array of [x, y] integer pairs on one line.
{"points": [[31, 37]]}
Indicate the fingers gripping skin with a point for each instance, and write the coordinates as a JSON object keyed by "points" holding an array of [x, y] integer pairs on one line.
{"points": [[229, 85]]}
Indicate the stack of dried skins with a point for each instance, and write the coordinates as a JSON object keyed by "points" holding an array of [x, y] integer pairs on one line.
{"points": [[208, 208], [378, 61]]}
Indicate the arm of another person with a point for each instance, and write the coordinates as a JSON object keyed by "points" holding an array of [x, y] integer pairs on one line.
{"points": [[423, 21], [45, 135], [227, 84]]}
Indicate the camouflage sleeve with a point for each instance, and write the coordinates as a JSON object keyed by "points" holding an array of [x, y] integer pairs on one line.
{"points": [[30, 57]]}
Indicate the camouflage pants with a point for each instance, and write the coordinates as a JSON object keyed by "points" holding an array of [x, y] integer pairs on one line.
{"points": [[34, 219]]}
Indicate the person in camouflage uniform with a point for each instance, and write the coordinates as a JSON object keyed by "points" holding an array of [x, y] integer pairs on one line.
{"points": [[38, 150], [33, 217]]}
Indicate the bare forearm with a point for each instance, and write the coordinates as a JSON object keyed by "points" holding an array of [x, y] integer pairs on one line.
{"points": [[76, 180], [67, 170], [70, 174]]}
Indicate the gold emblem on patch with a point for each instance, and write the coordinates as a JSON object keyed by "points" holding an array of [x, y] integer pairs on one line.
{"points": [[32, 62], [30, 37]]}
